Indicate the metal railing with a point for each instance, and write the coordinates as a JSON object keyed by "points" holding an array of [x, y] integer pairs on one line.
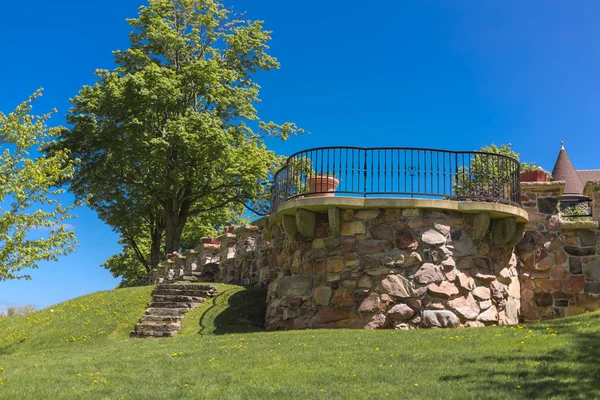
{"points": [[398, 172]]}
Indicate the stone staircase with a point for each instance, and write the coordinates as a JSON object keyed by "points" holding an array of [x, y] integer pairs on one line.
{"points": [[169, 303]]}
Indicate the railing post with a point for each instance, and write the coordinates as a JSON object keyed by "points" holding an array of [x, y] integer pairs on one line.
{"points": [[365, 175], [457, 175]]}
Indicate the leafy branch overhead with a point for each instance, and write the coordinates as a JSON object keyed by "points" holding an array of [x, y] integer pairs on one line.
{"points": [[32, 220]]}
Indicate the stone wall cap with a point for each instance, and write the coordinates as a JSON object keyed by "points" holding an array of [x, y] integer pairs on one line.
{"points": [[226, 237], [590, 187], [211, 246], [578, 225], [544, 186], [244, 228], [496, 210]]}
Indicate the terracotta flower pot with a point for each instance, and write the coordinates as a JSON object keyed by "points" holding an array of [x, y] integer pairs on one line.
{"points": [[535, 176], [210, 241], [324, 184]]}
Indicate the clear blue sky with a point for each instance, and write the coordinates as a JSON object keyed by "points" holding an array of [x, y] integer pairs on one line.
{"points": [[444, 74]]}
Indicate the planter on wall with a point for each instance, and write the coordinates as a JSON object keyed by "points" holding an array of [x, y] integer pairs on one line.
{"points": [[324, 184], [210, 241], [535, 176]]}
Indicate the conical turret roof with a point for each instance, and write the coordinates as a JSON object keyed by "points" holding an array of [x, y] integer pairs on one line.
{"points": [[565, 171]]}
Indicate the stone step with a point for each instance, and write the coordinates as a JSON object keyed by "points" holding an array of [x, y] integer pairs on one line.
{"points": [[173, 298], [182, 292], [190, 278], [167, 319], [170, 304], [182, 286], [150, 334], [166, 311], [157, 327]]}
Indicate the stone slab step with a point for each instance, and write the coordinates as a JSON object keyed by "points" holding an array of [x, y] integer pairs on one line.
{"points": [[170, 304], [190, 278], [181, 292], [148, 334], [166, 311], [167, 319], [172, 298], [182, 286], [156, 327]]}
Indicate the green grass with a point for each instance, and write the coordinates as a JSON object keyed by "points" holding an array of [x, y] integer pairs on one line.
{"points": [[81, 350]]}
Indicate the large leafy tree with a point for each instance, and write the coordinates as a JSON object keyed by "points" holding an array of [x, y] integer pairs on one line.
{"points": [[31, 217], [173, 133]]}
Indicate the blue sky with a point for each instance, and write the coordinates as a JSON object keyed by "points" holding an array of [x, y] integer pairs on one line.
{"points": [[444, 74]]}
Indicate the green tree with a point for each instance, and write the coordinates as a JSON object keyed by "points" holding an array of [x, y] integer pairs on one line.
{"points": [[173, 133], [487, 175], [28, 193]]}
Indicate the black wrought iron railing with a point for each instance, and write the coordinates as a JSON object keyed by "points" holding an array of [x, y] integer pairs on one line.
{"points": [[397, 172]]}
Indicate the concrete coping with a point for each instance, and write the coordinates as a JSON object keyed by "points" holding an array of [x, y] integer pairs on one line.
{"points": [[496, 210], [246, 228], [226, 238], [578, 225], [590, 187], [544, 186]]}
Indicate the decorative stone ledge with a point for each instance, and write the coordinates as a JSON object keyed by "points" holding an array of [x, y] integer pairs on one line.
{"points": [[495, 210], [544, 186], [578, 225], [590, 187]]}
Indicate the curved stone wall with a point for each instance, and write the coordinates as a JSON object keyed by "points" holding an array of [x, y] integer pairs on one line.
{"points": [[392, 268]]}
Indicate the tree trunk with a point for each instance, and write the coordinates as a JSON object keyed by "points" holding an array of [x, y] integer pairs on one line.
{"points": [[176, 215], [155, 247]]}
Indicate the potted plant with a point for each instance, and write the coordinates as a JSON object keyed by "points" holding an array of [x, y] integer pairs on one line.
{"points": [[322, 185], [534, 173]]}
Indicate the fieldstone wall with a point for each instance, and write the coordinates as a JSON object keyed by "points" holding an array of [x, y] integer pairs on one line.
{"points": [[559, 261], [393, 268], [410, 268]]}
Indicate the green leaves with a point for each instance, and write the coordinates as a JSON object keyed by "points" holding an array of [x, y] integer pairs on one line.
{"points": [[28, 191], [172, 134]]}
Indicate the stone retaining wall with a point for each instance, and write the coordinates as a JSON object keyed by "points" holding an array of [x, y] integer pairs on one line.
{"points": [[559, 261], [409, 268], [395, 268]]}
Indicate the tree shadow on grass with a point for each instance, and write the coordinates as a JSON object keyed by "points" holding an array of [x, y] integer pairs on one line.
{"points": [[242, 312], [10, 348], [569, 372]]}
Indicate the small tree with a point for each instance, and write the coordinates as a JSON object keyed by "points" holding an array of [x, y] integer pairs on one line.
{"points": [[28, 193], [486, 174]]}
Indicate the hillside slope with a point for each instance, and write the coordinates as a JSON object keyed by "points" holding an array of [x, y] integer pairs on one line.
{"points": [[80, 349]]}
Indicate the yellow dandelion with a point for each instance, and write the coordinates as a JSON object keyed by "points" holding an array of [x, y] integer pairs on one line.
{"points": [[518, 386], [376, 348], [416, 385]]}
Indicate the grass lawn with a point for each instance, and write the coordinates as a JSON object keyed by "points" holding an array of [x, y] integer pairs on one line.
{"points": [[80, 349]]}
